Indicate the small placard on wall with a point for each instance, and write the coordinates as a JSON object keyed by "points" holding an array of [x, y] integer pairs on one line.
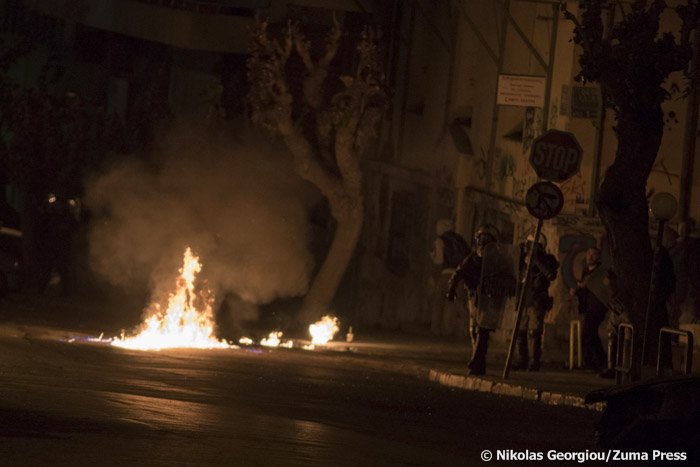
{"points": [[522, 91], [585, 102]]}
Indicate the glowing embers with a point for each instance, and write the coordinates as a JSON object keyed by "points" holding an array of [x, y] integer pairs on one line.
{"points": [[182, 325], [322, 331]]}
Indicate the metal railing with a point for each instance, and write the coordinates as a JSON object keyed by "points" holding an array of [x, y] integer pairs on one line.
{"points": [[665, 335], [575, 344], [625, 352]]}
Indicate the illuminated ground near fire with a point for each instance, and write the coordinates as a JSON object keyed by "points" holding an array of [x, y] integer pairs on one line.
{"points": [[187, 321]]}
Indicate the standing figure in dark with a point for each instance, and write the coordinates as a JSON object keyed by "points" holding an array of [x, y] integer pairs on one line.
{"points": [[55, 228], [537, 302], [449, 249], [593, 311], [481, 324]]}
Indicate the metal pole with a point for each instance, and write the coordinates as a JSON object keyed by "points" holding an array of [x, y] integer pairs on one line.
{"points": [[651, 299], [550, 67], [521, 299], [495, 109], [475, 29]]}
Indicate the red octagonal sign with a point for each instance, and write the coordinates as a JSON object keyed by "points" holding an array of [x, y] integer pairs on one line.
{"points": [[556, 155]]}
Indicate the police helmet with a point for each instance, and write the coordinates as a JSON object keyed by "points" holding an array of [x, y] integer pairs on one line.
{"points": [[486, 233]]}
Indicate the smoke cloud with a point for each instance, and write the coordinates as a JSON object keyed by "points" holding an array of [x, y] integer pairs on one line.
{"points": [[236, 202]]}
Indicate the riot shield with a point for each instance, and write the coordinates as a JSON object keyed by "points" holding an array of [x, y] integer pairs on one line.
{"points": [[598, 282], [498, 282]]}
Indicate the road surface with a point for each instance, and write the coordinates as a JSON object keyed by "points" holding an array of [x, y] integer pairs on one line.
{"points": [[76, 403]]}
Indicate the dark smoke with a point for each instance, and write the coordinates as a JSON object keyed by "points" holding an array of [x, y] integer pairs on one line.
{"points": [[236, 201]]}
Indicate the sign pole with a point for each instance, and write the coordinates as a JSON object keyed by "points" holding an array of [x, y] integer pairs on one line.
{"points": [[555, 156], [521, 300]]}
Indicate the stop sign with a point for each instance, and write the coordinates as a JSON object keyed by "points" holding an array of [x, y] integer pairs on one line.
{"points": [[556, 155]]}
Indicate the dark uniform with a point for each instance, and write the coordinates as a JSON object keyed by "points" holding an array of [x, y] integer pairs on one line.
{"points": [[537, 303], [593, 311], [469, 273]]}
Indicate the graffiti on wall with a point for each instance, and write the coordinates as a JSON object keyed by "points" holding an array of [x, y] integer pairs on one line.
{"points": [[574, 189], [520, 187], [579, 223], [531, 127], [670, 120], [572, 249], [554, 113], [506, 167]]}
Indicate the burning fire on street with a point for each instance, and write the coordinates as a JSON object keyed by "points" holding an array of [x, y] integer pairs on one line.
{"points": [[183, 325], [322, 331], [274, 339]]}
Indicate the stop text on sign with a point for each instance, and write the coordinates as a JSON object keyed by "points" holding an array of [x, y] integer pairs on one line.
{"points": [[556, 157]]}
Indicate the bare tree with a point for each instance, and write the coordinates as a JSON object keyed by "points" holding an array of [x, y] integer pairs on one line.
{"points": [[327, 126], [631, 61]]}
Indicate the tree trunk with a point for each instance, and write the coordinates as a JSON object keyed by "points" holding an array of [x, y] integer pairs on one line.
{"points": [[347, 207], [624, 211], [347, 233]]}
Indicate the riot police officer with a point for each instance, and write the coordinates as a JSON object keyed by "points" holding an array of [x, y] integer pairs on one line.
{"points": [[537, 301], [469, 273]]}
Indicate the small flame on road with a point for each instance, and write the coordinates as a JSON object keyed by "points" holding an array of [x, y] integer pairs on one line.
{"points": [[322, 331], [182, 324], [272, 340], [245, 341]]}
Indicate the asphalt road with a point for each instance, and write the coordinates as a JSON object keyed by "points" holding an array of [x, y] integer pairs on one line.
{"points": [[76, 404]]}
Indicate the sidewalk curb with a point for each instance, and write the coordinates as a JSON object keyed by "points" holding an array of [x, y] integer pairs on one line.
{"points": [[474, 383]]}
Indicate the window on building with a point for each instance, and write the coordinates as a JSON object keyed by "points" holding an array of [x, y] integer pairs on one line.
{"points": [[406, 243]]}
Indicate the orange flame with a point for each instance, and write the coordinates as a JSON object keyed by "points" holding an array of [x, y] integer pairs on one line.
{"points": [[274, 339], [322, 331], [182, 324]]}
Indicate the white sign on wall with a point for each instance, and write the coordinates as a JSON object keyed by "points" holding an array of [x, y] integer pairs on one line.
{"points": [[522, 91]]}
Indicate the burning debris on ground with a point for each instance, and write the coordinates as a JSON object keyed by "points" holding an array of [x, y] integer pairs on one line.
{"points": [[187, 320]]}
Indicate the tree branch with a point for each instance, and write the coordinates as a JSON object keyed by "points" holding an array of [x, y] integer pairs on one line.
{"points": [[318, 72], [332, 42], [269, 96], [303, 49], [580, 36]]}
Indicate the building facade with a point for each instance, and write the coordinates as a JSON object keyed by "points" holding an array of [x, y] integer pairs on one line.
{"points": [[454, 147]]}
